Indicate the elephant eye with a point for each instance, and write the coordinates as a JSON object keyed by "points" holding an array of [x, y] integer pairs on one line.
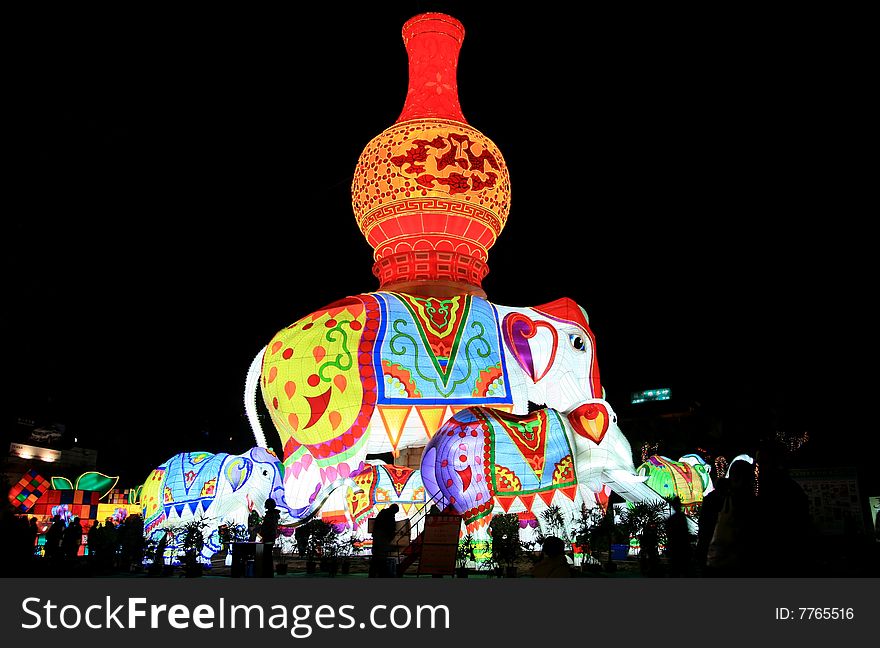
{"points": [[265, 472], [577, 342]]}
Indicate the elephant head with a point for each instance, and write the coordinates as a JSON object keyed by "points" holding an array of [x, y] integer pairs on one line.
{"points": [[555, 349], [256, 476]]}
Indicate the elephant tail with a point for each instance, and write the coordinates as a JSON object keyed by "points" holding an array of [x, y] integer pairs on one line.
{"points": [[250, 399], [304, 514]]}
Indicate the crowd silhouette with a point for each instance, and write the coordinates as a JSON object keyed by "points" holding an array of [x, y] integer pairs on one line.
{"points": [[755, 523], [110, 546]]}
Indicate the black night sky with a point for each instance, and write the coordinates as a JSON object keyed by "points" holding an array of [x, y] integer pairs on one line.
{"points": [[185, 193]]}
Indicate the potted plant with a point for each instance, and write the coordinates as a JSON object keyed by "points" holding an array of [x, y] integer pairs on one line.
{"points": [[593, 531], [554, 523], [231, 533], [463, 554], [506, 547], [318, 543], [346, 546], [645, 522], [191, 544]]}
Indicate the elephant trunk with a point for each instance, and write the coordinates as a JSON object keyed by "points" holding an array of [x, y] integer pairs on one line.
{"points": [[297, 516], [288, 514]]}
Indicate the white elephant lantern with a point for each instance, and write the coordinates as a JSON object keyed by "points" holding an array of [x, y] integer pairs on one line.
{"points": [[219, 488]]}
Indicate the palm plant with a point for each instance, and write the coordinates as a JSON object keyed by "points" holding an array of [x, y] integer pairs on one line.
{"points": [[506, 546], [192, 541]]}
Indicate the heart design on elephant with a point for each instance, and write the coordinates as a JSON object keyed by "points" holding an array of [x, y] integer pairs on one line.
{"points": [[521, 334], [590, 420]]}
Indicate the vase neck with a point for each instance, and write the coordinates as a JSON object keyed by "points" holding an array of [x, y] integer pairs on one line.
{"points": [[433, 42]]}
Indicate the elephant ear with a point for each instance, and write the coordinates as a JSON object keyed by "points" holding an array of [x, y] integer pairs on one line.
{"points": [[238, 471], [532, 343]]}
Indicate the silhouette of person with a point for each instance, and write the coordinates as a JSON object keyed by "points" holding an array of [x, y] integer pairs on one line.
{"points": [[301, 535], [553, 563], [269, 527], [269, 532], [678, 541], [92, 538], [783, 515], [159, 557], [33, 532], [71, 539], [649, 552], [384, 528], [253, 525], [709, 510], [53, 538], [732, 550]]}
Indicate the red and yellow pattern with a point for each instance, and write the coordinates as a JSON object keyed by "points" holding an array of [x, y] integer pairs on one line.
{"points": [[563, 473], [431, 193], [506, 480], [318, 382], [152, 506], [361, 502], [529, 435]]}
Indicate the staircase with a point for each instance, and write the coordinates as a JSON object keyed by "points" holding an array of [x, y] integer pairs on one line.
{"points": [[410, 554]]}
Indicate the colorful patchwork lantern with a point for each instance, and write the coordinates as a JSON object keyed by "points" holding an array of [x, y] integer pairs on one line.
{"points": [[28, 490], [73, 503]]}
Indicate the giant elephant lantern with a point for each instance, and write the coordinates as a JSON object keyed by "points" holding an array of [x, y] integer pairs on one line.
{"points": [[381, 372]]}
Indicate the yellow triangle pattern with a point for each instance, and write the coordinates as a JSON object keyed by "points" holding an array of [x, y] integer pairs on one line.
{"points": [[432, 418], [394, 418]]}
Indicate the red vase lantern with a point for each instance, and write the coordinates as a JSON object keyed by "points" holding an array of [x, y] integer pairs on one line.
{"points": [[431, 193]]}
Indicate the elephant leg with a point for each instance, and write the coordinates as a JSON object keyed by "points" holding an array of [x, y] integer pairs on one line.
{"points": [[302, 478], [337, 503], [212, 546], [481, 543]]}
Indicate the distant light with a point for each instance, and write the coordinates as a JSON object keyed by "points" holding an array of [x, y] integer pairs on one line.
{"points": [[75, 439], [661, 394]]}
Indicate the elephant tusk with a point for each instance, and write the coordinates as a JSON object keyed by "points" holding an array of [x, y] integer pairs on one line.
{"points": [[625, 477]]}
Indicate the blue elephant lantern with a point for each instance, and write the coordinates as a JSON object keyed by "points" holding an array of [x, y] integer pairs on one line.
{"points": [[218, 488]]}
